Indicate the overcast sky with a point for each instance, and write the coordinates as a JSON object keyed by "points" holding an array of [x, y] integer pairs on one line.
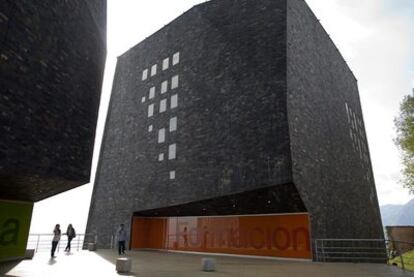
{"points": [[376, 38]]}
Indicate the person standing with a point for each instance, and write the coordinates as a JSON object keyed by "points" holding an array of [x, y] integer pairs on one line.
{"points": [[70, 232], [56, 239], [122, 237]]}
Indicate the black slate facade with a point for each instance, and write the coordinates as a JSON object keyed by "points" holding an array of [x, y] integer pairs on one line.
{"points": [[330, 159], [224, 128], [52, 58]]}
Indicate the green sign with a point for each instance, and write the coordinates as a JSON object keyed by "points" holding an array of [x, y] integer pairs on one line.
{"points": [[15, 220]]}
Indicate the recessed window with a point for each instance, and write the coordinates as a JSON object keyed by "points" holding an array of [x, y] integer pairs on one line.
{"points": [[144, 74], [354, 121], [150, 110], [165, 63], [174, 101], [153, 70], [151, 93], [164, 87], [172, 174], [176, 58], [161, 156], [172, 148], [347, 112], [173, 124], [150, 128], [174, 82], [161, 135], [143, 99], [163, 105]]}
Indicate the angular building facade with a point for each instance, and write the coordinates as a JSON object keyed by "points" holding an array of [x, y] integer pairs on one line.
{"points": [[52, 59], [240, 114]]}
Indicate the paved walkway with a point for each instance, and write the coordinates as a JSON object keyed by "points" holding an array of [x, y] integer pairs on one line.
{"points": [[162, 264]]}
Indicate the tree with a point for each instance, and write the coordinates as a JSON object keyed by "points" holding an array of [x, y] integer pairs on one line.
{"points": [[405, 140]]}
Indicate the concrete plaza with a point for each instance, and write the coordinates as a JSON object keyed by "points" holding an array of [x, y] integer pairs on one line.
{"points": [[162, 264]]}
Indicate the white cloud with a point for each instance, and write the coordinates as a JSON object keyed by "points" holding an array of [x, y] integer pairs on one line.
{"points": [[70, 207], [412, 80]]}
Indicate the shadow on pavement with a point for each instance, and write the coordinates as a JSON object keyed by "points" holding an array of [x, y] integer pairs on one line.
{"points": [[51, 261], [107, 256], [111, 257]]}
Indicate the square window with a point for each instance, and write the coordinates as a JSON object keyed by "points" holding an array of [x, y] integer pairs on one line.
{"points": [[174, 82], [143, 99], [150, 110], [161, 157], [165, 63], [164, 87], [173, 124], [176, 58], [174, 101], [153, 70], [172, 174], [144, 74], [151, 93], [163, 105], [172, 148], [150, 128], [161, 135]]}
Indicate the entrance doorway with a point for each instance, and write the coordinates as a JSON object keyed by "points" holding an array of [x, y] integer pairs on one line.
{"points": [[274, 235]]}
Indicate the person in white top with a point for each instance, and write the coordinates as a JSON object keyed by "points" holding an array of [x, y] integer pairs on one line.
{"points": [[56, 239]]}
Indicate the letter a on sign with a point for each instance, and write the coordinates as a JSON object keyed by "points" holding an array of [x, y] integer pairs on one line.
{"points": [[14, 228], [9, 232]]}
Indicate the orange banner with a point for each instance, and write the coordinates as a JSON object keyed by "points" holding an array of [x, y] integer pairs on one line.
{"points": [[260, 235]]}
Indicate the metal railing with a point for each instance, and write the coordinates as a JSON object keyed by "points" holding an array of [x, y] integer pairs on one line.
{"points": [[43, 242], [399, 253]]}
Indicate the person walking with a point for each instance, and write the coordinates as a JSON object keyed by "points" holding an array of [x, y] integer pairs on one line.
{"points": [[70, 232], [55, 240], [122, 237]]}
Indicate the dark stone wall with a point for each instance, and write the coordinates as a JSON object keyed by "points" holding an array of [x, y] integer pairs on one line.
{"points": [[331, 164], [52, 57], [232, 127]]}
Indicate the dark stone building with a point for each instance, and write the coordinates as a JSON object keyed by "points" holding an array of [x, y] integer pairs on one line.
{"points": [[234, 108], [52, 58]]}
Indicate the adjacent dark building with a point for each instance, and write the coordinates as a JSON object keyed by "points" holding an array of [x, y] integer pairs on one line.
{"points": [[236, 107], [401, 237], [52, 58]]}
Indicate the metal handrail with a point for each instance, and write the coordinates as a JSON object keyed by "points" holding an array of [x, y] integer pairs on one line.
{"points": [[378, 240], [42, 241], [338, 247], [350, 239], [359, 250]]}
